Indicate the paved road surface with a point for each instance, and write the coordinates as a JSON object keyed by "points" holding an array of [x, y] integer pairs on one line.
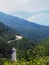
{"points": [[17, 38]]}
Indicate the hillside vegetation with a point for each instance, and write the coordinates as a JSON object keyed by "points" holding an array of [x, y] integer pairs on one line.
{"points": [[28, 53], [29, 30], [6, 34], [39, 55]]}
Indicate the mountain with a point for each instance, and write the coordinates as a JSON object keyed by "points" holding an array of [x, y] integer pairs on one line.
{"points": [[6, 33], [29, 30], [41, 17], [22, 45]]}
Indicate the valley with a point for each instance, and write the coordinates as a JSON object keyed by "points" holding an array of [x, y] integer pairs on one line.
{"points": [[29, 42], [29, 30], [24, 32]]}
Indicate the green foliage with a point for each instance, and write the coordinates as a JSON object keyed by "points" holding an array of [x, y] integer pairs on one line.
{"points": [[33, 56], [37, 61], [22, 47], [30, 30], [6, 34], [40, 51], [27, 52]]}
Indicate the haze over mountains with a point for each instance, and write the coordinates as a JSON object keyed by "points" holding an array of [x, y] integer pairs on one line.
{"points": [[21, 14], [41, 17], [25, 28]]}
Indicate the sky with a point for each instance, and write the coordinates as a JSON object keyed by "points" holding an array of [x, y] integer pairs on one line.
{"points": [[23, 5], [27, 9]]}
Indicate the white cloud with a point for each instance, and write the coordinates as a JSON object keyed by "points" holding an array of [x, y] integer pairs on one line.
{"points": [[34, 17], [23, 5], [11, 5]]}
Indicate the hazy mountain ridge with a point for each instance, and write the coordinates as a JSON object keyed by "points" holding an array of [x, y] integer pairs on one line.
{"points": [[26, 50], [27, 29]]}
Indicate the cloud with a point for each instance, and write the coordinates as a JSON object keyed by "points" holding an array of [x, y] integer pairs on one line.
{"points": [[11, 5], [34, 17], [23, 5]]}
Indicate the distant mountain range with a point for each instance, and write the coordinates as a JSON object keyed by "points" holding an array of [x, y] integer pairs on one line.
{"points": [[39, 17], [29, 30]]}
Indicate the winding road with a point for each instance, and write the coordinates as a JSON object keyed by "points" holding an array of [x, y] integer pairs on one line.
{"points": [[17, 38], [13, 55]]}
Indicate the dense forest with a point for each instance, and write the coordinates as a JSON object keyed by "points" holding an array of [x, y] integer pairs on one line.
{"points": [[28, 53], [38, 55], [6, 34]]}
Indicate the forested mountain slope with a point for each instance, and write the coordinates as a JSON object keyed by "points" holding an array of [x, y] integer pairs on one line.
{"points": [[29, 30], [6, 34]]}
